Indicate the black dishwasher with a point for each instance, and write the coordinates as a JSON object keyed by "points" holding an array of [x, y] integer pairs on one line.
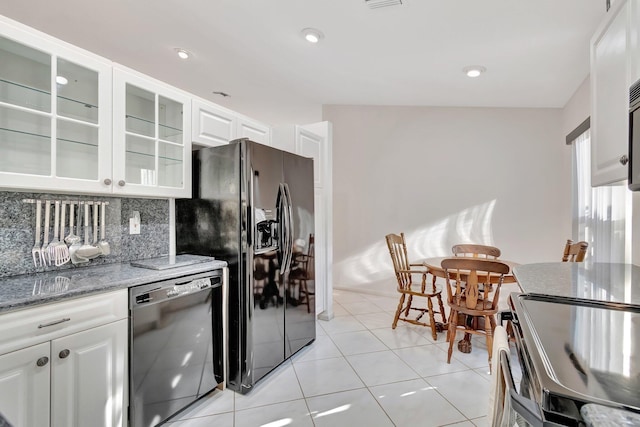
{"points": [[176, 345]]}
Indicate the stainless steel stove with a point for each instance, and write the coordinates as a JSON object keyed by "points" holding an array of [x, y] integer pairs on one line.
{"points": [[573, 352]]}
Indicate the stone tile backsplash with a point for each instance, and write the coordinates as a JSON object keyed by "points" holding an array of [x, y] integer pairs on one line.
{"points": [[17, 230]]}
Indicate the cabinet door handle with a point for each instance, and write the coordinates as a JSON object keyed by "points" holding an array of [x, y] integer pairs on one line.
{"points": [[624, 160], [55, 322], [42, 361], [107, 181], [121, 183], [64, 354]]}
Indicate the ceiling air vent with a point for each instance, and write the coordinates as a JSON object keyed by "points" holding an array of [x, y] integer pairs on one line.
{"points": [[375, 4]]}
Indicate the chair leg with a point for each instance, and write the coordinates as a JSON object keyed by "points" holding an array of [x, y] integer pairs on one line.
{"points": [[453, 320], [440, 304], [432, 319], [442, 313], [488, 329], [398, 310], [409, 302]]}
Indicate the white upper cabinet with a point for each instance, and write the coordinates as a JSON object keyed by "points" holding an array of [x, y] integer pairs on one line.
{"points": [[55, 114], [634, 41], [610, 97], [284, 137], [212, 125], [304, 141], [309, 144], [75, 122], [151, 137], [253, 130]]}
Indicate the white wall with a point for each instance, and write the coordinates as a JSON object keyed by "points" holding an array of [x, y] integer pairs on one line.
{"points": [[577, 109], [443, 176]]}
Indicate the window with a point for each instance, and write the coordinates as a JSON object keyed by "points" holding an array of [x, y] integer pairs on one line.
{"points": [[599, 214]]}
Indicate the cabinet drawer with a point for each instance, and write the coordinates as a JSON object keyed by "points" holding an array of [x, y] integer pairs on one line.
{"points": [[31, 326]]}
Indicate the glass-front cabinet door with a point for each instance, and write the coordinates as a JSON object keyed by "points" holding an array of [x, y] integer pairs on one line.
{"points": [[152, 137], [55, 115]]}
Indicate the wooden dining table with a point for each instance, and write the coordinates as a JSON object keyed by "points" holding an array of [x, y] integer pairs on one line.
{"points": [[434, 267]]}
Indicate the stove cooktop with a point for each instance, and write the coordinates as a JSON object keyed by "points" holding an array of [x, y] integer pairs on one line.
{"points": [[587, 351]]}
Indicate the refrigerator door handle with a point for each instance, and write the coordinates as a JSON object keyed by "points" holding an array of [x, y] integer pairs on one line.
{"points": [[283, 228], [289, 223], [247, 222]]}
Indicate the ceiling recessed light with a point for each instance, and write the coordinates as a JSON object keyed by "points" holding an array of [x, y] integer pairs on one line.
{"points": [[183, 54], [474, 70], [61, 80], [312, 35]]}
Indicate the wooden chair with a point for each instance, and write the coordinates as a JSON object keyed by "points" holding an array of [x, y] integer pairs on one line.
{"points": [[476, 251], [302, 271], [574, 252], [405, 272], [465, 297]]}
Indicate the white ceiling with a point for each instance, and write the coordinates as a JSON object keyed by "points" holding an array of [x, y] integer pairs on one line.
{"points": [[536, 51]]}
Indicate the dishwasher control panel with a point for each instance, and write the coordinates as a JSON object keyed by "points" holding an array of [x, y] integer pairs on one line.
{"points": [[187, 288], [160, 292]]}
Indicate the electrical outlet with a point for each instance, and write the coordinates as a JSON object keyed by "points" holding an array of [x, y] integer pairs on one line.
{"points": [[134, 223]]}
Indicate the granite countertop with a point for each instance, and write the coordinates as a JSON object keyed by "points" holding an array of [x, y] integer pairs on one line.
{"points": [[610, 282], [29, 290]]}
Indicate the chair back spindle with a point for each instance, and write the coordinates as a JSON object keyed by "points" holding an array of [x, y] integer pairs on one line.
{"points": [[398, 252]]}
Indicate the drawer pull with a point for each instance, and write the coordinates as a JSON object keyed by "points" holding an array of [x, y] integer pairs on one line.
{"points": [[64, 354], [42, 361], [57, 322]]}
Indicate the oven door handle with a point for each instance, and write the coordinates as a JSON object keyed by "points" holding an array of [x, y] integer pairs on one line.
{"points": [[526, 408]]}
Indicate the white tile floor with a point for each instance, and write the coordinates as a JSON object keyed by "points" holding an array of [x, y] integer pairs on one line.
{"points": [[360, 372]]}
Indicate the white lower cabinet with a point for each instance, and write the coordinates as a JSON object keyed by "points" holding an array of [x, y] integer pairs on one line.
{"points": [[87, 377], [71, 378], [24, 386]]}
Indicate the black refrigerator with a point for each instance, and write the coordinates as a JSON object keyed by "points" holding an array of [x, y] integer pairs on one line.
{"points": [[253, 207]]}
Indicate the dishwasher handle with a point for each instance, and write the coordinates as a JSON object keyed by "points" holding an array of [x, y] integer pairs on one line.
{"points": [[173, 290]]}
